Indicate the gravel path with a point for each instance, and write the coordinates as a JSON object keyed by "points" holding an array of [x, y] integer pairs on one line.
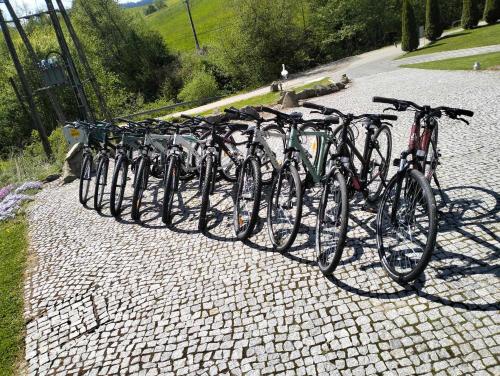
{"points": [[107, 297]]}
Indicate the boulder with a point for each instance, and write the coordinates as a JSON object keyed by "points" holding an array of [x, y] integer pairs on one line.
{"points": [[340, 85], [333, 87], [306, 94], [250, 110], [344, 79], [275, 87], [322, 90], [72, 163], [51, 178], [290, 100]]}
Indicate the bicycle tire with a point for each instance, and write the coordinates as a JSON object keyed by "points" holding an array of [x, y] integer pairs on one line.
{"points": [[250, 167], [141, 184], [429, 167], [171, 179], [100, 183], [326, 265], [231, 174], [120, 182], [267, 169], [207, 178], [419, 191], [383, 129], [290, 173], [85, 178]]}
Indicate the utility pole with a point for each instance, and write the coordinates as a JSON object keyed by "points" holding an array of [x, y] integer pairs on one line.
{"points": [[35, 117], [192, 26], [83, 103], [34, 59], [84, 61]]}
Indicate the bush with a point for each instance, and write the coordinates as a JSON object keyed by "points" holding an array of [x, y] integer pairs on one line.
{"points": [[433, 25], [470, 14], [409, 30], [150, 9], [491, 11], [202, 85]]}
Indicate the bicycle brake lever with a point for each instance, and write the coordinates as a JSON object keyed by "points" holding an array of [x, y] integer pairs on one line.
{"points": [[389, 109], [316, 112], [465, 121]]}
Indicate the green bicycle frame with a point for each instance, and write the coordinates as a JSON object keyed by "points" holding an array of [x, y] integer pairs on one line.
{"points": [[316, 170]]}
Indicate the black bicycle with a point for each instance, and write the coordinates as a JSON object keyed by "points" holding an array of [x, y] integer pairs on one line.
{"points": [[342, 179]]}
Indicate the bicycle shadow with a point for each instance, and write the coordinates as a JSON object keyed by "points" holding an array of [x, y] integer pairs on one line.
{"points": [[450, 272]]}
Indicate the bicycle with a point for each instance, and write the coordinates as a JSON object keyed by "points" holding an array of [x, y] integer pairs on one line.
{"points": [[284, 210], [260, 161], [131, 137], [343, 178], [213, 145], [151, 161], [408, 207]]}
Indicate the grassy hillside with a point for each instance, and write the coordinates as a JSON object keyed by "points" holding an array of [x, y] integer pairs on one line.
{"points": [[210, 17]]}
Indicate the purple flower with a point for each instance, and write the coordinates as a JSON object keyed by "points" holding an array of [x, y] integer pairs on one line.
{"points": [[29, 185], [6, 190], [11, 204]]}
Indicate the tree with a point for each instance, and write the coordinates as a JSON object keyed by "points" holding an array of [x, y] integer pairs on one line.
{"points": [[470, 14], [150, 9], [433, 25], [159, 4], [491, 11], [409, 30]]}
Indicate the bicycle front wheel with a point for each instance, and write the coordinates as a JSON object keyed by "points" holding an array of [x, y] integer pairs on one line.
{"points": [[246, 208], [85, 178], [171, 183], [284, 209], [118, 184], [206, 179], [141, 184], [331, 224], [100, 183], [406, 226]]}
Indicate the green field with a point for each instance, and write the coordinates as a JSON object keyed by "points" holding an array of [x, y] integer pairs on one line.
{"points": [[481, 36], [489, 60], [210, 17], [13, 246]]}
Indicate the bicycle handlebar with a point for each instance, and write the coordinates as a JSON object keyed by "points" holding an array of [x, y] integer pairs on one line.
{"points": [[329, 111]]}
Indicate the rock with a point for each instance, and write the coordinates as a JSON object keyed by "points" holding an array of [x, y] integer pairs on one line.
{"points": [[250, 110], [72, 163], [305, 94], [340, 85], [290, 100], [333, 87], [275, 87], [322, 90], [51, 178], [344, 79]]}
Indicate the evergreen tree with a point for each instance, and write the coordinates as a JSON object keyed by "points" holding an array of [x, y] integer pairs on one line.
{"points": [[433, 25], [409, 30], [470, 14], [492, 11]]}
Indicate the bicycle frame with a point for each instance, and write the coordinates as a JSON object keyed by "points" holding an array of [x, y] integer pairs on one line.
{"points": [[258, 140]]}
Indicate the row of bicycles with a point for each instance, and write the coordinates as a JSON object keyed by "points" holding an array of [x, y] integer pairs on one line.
{"points": [[291, 154]]}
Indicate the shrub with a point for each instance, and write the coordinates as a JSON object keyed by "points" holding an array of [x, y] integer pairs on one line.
{"points": [[491, 11], [470, 14], [409, 28], [433, 25], [202, 85]]}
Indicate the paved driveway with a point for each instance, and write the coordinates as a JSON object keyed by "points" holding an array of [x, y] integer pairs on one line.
{"points": [[107, 297]]}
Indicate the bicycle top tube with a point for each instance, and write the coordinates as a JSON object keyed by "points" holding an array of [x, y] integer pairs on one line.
{"points": [[348, 118]]}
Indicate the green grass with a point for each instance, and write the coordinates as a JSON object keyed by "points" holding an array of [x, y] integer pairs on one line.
{"points": [[13, 246], [271, 98], [481, 36], [210, 17], [460, 63]]}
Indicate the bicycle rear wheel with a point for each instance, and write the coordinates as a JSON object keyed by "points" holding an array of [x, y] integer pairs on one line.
{"points": [[406, 226], [331, 224], [141, 184], [100, 183], [85, 178], [170, 188], [379, 161], [206, 179], [246, 208], [284, 209], [118, 185], [235, 141]]}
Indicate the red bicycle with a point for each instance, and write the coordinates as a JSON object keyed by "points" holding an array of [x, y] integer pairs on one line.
{"points": [[406, 218]]}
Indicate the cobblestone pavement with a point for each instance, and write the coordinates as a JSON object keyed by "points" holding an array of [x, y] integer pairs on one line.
{"points": [[447, 55], [107, 297]]}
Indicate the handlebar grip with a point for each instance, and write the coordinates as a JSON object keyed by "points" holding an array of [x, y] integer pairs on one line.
{"points": [[388, 117], [385, 100], [333, 119], [313, 106], [461, 112]]}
